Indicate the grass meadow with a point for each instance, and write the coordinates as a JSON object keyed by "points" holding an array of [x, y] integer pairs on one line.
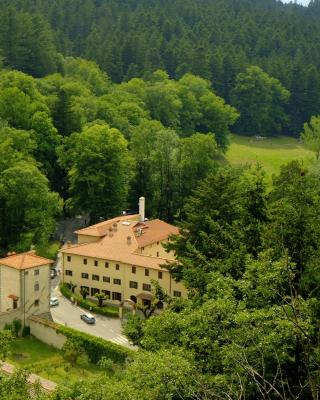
{"points": [[48, 362], [270, 153]]}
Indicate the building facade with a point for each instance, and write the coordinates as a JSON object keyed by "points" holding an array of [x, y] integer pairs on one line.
{"points": [[24, 286], [120, 258]]}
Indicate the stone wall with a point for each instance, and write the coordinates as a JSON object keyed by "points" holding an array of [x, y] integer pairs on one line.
{"points": [[46, 331]]}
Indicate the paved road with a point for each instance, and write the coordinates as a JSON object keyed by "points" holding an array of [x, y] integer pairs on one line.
{"points": [[69, 314]]}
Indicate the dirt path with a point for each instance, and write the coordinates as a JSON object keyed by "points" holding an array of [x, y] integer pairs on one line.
{"points": [[47, 385]]}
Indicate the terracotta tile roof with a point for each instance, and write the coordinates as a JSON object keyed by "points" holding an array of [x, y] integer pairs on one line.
{"points": [[24, 261], [101, 229], [153, 231], [13, 297], [115, 246]]}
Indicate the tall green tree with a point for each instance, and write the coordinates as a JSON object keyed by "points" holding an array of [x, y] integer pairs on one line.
{"points": [[98, 165], [214, 240], [293, 226], [311, 135], [261, 101], [28, 208]]}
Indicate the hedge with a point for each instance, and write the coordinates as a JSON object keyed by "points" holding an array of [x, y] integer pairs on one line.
{"points": [[96, 347], [107, 311]]}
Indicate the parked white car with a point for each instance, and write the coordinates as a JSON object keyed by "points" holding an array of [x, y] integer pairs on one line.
{"points": [[54, 301], [88, 318]]}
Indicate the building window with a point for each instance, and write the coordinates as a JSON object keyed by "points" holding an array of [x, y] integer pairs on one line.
{"points": [[106, 293], [68, 272], [106, 264], [26, 273], [69, 258], [94, 291], [160, 274], [133, 269], [158, 243], [15, 304], [133, 285], [36, 303], [157, 254], [146, 272], [95, 277], [117, 267], [117, 281], [84, 288], [85, 276], [142, 248], [116, 296], [36, 272], [36, 287], [85, 261], [96, 263], [177, 293], [106, 279], [146, 287]]}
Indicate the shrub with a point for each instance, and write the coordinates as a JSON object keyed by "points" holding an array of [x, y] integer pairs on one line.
{"points": [[16, 327], [95, 347], [89, 305], [8, 327], [26, 331]]}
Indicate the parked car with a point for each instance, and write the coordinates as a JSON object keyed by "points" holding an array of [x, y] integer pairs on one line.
{"points": [[53, 273], [88, 318], [54, 301]]}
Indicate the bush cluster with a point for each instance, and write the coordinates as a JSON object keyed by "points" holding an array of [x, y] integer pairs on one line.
{"points": [[96, 348], [111, 312]]}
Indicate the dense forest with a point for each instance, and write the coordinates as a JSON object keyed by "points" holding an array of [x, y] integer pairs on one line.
{"points": [[78, 143], [102, 101], [214, 39]]}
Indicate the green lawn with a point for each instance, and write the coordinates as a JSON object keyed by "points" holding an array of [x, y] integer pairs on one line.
{"points": [[48, 362], [271, 153]]}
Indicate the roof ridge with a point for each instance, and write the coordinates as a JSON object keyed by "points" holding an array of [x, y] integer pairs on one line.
{"points": [[74, 246], [37, 256], [106, 222], [149, 256], [22, 260]]}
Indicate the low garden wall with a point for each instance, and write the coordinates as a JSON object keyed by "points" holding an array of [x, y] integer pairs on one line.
{"points": [[56, 335], [47, 332]]}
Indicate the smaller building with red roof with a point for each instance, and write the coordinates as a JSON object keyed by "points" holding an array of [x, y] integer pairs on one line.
{"points": [[24, 286]]}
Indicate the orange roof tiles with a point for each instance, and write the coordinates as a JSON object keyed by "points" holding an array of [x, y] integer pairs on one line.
{"points": [[101, 229], [154, 231], [24, 261], [115, 246]]}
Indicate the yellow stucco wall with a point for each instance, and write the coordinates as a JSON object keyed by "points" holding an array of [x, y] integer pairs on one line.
{"points": [[87, 239], [156, 250], [124, 273], [21, 283], [10, 284], [30, 295]]}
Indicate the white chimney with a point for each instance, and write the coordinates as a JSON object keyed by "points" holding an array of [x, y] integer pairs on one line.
{"points": [[142, 209]]}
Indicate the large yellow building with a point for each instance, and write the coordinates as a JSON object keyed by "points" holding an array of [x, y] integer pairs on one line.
{"points": [[120, 257], [24, 286]]}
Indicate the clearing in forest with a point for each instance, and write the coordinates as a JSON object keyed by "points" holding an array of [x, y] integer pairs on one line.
{"points": [[271, 153]]}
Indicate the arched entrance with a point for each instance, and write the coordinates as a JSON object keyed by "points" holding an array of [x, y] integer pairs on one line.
{"points": [[131, 303], [134, 299]]}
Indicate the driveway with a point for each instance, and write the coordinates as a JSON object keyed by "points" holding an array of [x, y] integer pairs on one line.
{"points": [[69, 315]]}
